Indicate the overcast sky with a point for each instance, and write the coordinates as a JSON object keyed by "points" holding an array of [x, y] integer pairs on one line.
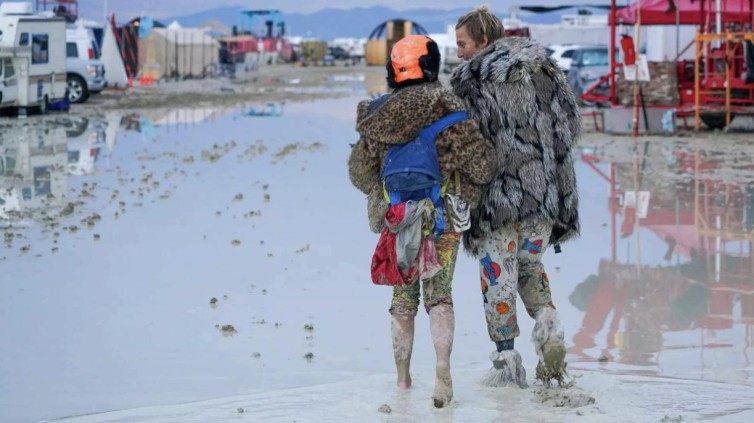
{"points": [[125, 9]]}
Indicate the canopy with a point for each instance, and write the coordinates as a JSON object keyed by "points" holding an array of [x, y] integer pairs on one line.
{"points": [[659, 12]]}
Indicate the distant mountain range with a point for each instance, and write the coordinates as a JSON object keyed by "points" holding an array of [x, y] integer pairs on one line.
{"points": [[327, 24]]}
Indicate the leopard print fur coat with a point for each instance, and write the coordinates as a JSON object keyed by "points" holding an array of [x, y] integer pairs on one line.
{"points": [[398, 120]]}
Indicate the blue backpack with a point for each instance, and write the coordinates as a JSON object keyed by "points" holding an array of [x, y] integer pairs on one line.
{"points": [[411, 171]]}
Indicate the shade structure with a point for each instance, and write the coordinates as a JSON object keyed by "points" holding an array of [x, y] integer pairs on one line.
{"points": [[692, 12]]}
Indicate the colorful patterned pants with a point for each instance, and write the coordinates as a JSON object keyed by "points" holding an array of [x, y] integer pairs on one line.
{"points": [[437, 290], [511, 260]]}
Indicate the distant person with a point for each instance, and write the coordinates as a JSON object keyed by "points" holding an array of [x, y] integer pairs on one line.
{"points": [[523, 104], [226, 61], [466, 161]]}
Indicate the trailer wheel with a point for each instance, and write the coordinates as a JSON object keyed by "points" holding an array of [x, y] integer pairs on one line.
{"points": [[77, 90], [715, 120]]}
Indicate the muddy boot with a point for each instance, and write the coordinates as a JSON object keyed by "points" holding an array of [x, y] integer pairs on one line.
{"points": [[548, 339], [442, 326], [402, 330], [507, 369]]}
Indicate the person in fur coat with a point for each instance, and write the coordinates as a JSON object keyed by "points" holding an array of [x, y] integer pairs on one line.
{"points": [[417, 101], [524, 105]]}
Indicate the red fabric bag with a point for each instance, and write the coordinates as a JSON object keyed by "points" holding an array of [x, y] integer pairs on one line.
{"points": [[385, 263], [385, 269]]}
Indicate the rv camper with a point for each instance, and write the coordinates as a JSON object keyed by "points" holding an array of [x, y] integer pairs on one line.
{"points": [[32, 58]]}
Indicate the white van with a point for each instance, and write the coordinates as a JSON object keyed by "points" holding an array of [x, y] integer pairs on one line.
{"points": [[86, 73], [32, 52]]}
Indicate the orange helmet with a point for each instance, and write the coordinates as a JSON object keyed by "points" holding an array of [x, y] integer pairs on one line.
{"points": [[413, 58]]}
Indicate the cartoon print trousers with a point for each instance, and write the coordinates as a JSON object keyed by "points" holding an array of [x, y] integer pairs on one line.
{"points": [[438, 289], [511, 261]]}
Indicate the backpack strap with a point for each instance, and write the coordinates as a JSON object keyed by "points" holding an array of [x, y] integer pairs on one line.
{"points": [[457, 179], [432, 131]]}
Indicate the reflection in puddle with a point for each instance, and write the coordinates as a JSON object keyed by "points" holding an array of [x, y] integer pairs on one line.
{"points": [[267, 110], [680, 276], [36, 160], [33, 163]]}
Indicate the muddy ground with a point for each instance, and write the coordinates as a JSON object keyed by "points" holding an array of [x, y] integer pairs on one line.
{"points": [[278, 83], [296, 83]]}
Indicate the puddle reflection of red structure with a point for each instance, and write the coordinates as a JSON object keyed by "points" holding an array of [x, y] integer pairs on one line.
{"points": [[706, 218]]}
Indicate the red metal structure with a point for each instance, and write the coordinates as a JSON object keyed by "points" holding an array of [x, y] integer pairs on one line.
{"points": [[719, 84]]}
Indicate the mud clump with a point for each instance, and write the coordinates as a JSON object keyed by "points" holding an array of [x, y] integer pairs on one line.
{"points": [[385, 409], [253, 151], [92, 220], [571, 397], [228, 330], [67, 210], [218, 151], [294, 148]]}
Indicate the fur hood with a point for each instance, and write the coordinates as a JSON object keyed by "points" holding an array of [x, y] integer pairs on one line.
{"points": [[398, 120], [524, 105]]}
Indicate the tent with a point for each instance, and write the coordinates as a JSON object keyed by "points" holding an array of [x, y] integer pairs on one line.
{"points": [[115, 69], [659, 12], [177, 51]]}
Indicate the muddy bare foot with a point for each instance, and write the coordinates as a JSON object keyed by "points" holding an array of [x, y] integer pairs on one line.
{"points": [[443, 387], [404, 376], [404, 383]]}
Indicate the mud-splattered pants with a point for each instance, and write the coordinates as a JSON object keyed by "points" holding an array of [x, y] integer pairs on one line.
{"points": [[438, 289], [510, 261]]}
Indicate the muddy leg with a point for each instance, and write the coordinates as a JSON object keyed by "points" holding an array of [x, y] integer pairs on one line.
{"points": [[402, 329], [442, 326]]}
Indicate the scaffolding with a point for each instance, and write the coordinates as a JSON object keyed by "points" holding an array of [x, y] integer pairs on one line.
{"points": [[714, 87], [720, 76]]}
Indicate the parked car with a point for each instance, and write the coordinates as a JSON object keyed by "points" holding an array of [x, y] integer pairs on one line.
{"points": [[450, 59], [338, 53], [86, 73], [588, 65], [563, 54]]}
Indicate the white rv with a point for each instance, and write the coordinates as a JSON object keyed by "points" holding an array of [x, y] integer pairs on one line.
{"points": [[32, 57]]}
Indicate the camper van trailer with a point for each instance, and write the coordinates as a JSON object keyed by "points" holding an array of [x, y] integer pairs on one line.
{"points": [[32, 57]]}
